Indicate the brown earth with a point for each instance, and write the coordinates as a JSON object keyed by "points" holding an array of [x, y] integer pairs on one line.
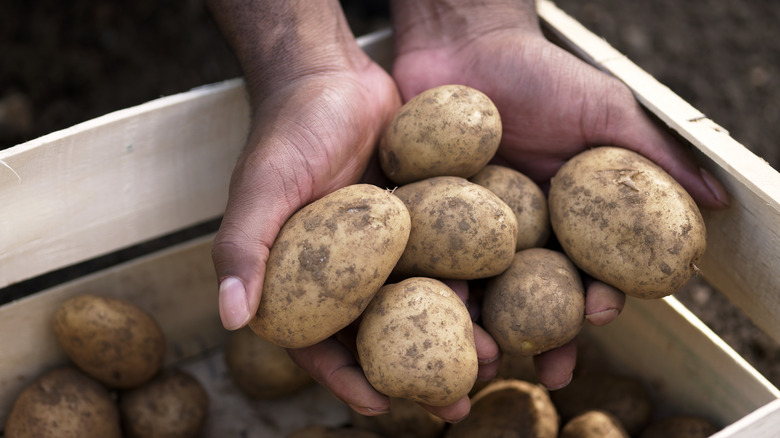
{"points": [[67, 62]]}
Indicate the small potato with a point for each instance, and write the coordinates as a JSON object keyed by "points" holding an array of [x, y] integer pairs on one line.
{"points": [[622, 396], [111, 339], [460, 230], [406, 419], [416, 341], [63, 403], [524, 197], [594, 424], [262, 369], [680, 426], [509, 408], [448, 130], [327, 262], [536, 305], [625, 221], [172, 405]]}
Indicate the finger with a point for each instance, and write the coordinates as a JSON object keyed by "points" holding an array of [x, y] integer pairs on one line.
{"points": [[603, 303], [452, 413], [259, 201], [555, 368], [334, 367], [487, 354]]}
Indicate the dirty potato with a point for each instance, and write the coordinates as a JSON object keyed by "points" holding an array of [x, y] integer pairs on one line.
{"points": [[63, 403], [594, 424], [173, 404], [448, 130], [524, 197], [509, 408], [262, 369], [625, 221], [110, 339], [460, 230], [416, 341], [406, 419], [536, 305], [327, 262]]}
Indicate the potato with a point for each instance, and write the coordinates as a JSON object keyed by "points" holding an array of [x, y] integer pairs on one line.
{"points": [[327, 262], [320, 431], [451, 130], [172, 405], [261, 369], [536, 305], [680, 426], [594, 424], [624, 397], [524, 197], [460, 230], [626, 222], [63, 403], [111, 339], [509, 408], [416, 341], [406, 419]]}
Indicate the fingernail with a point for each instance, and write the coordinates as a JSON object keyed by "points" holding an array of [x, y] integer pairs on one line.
{"points": [[715, 188], [233, 306], [602, 317], [562, 384], [368, 411]]}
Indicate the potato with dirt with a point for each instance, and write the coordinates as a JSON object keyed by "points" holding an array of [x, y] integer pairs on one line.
{"points": [[450, 130], [594, 424], [536, 305], [110, 339], [524, 197], [327, 262], [416, 341], [406, 419], [626, 222], [460, 230], [64, 403], [261, 369], [511, 408], [172, 405]]}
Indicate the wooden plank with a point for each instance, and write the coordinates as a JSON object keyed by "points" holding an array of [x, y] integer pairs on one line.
{"points": [[119, 179], [688, 366], [743, 254], [763, 423], [176, 286]]}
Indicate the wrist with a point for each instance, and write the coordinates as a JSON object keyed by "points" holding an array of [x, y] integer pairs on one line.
{"points": [[426, 24]]}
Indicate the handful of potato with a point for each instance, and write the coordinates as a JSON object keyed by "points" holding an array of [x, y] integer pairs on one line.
{"points": [[374, 256]]}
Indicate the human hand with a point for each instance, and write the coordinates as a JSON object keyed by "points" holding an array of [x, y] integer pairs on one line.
{"points": [[552, 105]]}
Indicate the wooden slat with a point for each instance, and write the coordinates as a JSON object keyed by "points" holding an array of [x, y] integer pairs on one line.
{"points": [[743, 255], [763, 423], [119, 179], [176, 286]]}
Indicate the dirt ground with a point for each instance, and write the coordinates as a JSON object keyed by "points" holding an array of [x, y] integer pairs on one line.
{"points": [[67, 62]]}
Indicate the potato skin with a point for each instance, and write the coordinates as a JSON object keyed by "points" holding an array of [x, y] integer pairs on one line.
{"points": [[447, 130], [536, 305], [594, 424], [416, 341], [110, 339], [172, 405], [261, 369], [625, 221], [327, 262], [460, 230], [64, 403], [524, 197], [509, 408]]}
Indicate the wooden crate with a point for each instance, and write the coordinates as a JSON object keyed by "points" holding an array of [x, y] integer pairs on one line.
{"points": [[147, 171]]}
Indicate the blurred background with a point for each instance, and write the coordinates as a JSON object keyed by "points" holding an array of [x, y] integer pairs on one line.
{"points": [[62, 63]]}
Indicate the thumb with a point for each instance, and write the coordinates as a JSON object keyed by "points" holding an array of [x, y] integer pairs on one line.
{"points": [[258, 205]]}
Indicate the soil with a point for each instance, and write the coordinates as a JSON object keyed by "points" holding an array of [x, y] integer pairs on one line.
{"points": [[67, 62]]}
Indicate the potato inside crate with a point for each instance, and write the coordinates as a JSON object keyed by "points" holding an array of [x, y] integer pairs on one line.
{"points": [[686, 366]]}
